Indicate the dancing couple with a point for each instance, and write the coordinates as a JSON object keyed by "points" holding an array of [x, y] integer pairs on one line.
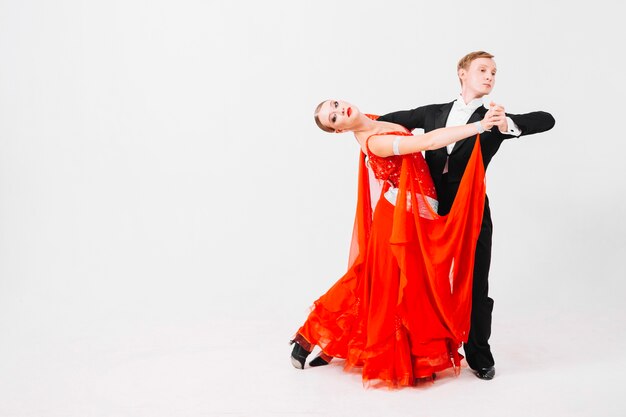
{"points": [[416, 288]]}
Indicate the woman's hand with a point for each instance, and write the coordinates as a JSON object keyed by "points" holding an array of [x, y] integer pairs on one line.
{"points": [[495, 116]]}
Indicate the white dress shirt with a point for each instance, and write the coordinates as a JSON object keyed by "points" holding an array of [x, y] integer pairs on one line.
{"points": [[461, 112]]}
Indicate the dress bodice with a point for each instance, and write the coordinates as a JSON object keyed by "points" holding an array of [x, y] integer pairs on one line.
{"points": [[388, 168]]}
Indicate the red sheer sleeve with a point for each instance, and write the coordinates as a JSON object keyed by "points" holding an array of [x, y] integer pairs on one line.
{"points": [[363, 216], [440, 251]]}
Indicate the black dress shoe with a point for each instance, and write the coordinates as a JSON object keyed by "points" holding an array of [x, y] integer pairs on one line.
{"points": [[298, 355], [486, 373], [318, 361]]}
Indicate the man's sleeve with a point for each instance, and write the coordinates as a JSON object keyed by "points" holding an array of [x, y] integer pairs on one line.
{"points": [[530, 123], [411, 119]]}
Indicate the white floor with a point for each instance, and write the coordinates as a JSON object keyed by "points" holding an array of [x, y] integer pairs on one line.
{"points": [[185, 366]]}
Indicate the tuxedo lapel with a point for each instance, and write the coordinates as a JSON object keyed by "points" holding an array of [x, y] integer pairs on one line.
{"points": [[478, 114], [442, 115]]}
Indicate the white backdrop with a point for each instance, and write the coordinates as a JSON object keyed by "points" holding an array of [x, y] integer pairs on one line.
{"points": [[169, 210]]}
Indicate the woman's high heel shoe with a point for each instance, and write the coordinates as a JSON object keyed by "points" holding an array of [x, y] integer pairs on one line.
{"points": [[298, 355], [321, 360]]}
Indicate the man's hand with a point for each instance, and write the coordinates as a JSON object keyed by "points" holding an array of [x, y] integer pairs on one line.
{"points": [[498, 116]]}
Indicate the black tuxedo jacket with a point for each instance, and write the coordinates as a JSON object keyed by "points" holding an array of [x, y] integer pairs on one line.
{"points": [[435, 116]]}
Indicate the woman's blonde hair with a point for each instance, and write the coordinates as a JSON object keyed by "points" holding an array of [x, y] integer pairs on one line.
{"points": [[317, 119]]}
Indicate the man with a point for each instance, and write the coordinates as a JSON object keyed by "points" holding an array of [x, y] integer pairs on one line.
{"points": [[477, 73]]}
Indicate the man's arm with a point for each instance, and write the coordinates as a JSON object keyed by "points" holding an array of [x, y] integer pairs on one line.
{"points": [[515, 125], [530, 123], [411, 119], [535, 122]]}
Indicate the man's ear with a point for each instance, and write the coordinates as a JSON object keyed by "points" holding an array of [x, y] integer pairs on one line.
{"points": [[461, 73]]}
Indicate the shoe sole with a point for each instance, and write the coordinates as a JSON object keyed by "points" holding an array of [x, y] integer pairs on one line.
{"points": [[487, 377]]}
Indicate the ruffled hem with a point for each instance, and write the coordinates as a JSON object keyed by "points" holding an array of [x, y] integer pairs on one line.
{"points": [[393, 362]]}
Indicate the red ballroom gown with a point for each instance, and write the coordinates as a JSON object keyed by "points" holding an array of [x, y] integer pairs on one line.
{"points": [[402, 309]]}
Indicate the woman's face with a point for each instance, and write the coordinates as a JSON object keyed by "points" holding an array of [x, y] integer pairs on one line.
{"points": [[338, 115]]}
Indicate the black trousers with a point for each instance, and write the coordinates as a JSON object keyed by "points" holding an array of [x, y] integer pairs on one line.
{"points": [[477, 349]]}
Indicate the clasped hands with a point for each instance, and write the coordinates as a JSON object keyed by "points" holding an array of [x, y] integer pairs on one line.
{"points": [[495, 116]]}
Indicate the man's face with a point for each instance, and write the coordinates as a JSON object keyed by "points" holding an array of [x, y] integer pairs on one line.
{"points": [[480, 78]]}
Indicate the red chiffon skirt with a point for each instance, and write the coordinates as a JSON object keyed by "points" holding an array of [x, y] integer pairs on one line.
{"points": [[403, 308], [359, 319]]}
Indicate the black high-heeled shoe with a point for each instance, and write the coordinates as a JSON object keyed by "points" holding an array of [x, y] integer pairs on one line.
{"points": [[320, 360], [298, 355]]}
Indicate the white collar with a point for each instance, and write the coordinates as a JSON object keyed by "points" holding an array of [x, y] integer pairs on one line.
{"points": [[472, 105]]}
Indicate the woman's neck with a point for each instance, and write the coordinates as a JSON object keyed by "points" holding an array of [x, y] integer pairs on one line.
{"points": [[366, 126]]}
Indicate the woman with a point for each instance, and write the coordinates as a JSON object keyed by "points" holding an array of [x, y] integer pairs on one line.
{"points": [[402, 309]]}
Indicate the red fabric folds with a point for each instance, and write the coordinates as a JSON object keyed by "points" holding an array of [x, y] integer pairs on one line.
{"points": [[402, 309]]}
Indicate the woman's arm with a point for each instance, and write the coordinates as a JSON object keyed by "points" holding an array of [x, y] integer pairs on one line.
{"points": [[382, 145]]}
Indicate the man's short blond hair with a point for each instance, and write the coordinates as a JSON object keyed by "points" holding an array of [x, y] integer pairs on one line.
{"points": [[464, 63]]}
